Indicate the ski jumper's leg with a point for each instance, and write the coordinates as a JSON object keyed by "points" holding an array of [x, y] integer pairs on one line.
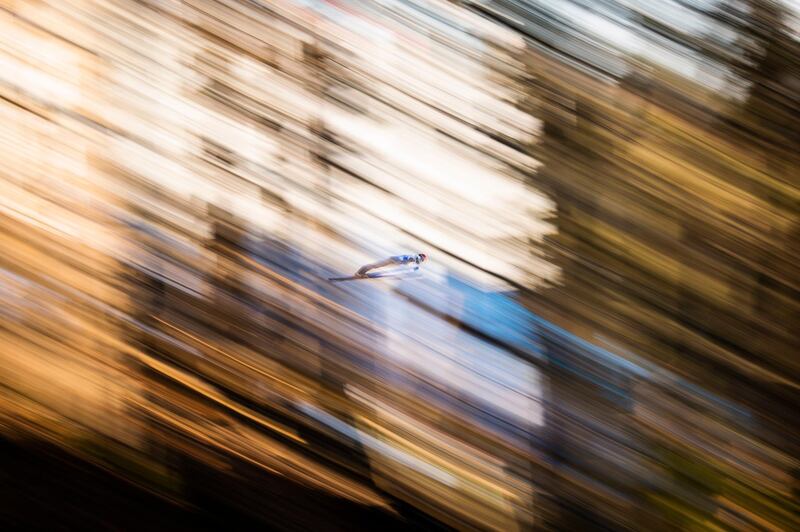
{"points": [[367, 267]]}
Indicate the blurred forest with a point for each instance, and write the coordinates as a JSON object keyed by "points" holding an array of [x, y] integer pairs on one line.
{"points": [[606, 337]]}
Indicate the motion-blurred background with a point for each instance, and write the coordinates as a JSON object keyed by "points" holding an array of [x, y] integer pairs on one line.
{"points": [[605, 337]]}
